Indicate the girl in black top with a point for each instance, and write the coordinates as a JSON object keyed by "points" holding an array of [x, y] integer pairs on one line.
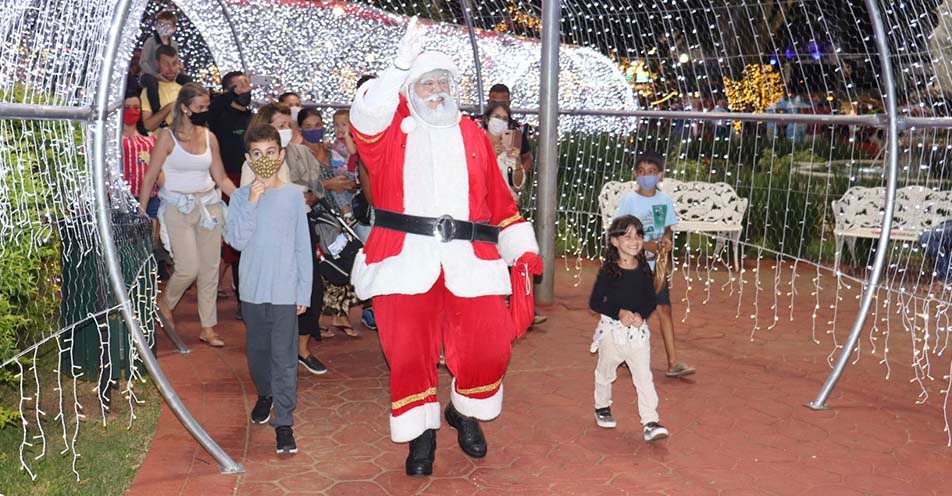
{"points": [[624, 295]]}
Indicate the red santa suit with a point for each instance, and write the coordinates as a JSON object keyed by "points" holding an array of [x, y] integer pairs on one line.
{"points": [[429, 293]]}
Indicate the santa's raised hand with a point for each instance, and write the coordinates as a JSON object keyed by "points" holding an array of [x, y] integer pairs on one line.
{"points": [[411, 45]]}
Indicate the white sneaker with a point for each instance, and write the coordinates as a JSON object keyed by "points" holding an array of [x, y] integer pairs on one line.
{"points": [[604, 418], [655, 431]]}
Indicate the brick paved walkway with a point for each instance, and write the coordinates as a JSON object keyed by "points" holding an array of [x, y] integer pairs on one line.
{"points": [[737, 427]]}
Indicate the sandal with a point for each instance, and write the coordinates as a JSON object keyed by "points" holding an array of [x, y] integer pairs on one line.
{"points": [[326, 332], [211, 339], [348, 330], [680, 369]]}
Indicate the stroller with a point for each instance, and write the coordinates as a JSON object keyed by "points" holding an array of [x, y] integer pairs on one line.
{"points": [[337, 243]]}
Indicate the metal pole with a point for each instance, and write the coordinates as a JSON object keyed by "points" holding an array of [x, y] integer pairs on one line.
{"points": [[926, 122], [234, 34], [29, 111], [98, 154], [875, 120], [547, 207], [476, 62], [892, 161], [871, 120]]}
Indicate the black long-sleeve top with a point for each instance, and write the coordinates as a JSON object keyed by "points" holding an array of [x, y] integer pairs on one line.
{"points": [[632, 291], [229, 125]]}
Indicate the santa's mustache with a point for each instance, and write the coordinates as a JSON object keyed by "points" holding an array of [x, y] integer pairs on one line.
{"points": [[438, 97]]}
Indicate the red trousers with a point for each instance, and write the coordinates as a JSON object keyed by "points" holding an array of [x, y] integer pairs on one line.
{"points": [[476, 336]]}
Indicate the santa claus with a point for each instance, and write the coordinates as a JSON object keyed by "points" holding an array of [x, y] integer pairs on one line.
{"points": [[446, 228]]}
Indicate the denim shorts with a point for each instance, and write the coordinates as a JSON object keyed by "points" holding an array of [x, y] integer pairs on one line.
{"points": [[152, 209], [663, 297]]}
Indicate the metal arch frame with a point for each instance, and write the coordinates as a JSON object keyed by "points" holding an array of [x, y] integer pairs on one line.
{"points": [[548, 170], [98, 152], [892, 165], [234, 35], [477, 64]]}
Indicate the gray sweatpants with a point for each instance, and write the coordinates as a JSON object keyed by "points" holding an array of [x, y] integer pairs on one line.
{"points": [[272, 338]]}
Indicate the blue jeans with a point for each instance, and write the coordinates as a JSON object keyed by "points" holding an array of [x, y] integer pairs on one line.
{"points": [[936, 244]]}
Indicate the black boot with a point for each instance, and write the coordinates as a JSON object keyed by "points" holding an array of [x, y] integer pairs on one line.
{"points": [[422, 453], [469, 433]]}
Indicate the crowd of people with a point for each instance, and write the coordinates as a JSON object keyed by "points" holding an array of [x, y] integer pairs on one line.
{"points": [[406, 220]]}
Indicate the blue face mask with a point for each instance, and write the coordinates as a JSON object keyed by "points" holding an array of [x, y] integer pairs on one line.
{"points": [[313, 135], [647, 182]]}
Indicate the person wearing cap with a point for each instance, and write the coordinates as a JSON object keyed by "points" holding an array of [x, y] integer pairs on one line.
{"points": [[445, 229]]}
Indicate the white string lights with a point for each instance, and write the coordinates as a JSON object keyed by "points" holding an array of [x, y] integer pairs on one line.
{"points": [[673, 55], [53, 286], [320, 49], [667, 54]]}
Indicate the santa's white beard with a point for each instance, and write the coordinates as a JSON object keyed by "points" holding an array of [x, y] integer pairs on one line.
{"points": [[445, 114]]}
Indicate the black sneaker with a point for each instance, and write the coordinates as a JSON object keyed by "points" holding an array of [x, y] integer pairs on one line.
{"points": [[261, 413], [604, 418], [312, 364], [284, 436], [655, 431]]}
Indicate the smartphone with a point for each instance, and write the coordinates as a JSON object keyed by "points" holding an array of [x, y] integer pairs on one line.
{"points": [[507, 139]]}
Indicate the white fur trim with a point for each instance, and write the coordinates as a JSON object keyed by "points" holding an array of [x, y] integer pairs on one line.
{"points": [[418, 266], [432, 60], [408, 124], [376, 102], [413, 422], [481, 409], [516, 240], [436, 182]]}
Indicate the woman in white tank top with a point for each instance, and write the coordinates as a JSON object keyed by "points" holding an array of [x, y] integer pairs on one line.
{"points": [[191, 213]]}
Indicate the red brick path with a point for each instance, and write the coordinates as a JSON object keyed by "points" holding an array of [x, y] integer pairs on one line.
{"points": [[737, 427]]}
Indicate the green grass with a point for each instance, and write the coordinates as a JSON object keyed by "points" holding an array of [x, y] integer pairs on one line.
{"points": [[110, 455]]}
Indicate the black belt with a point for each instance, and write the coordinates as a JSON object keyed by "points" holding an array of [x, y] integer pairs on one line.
{"points": [[444, 227]]}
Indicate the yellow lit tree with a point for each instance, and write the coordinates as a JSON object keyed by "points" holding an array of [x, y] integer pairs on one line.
{"points": [[760, 88]]}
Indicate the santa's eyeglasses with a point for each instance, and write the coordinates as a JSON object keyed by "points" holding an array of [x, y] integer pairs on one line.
{"points": [[434, 84]]}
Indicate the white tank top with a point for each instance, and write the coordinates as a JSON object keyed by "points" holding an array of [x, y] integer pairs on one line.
{"points": [[186, 172]]}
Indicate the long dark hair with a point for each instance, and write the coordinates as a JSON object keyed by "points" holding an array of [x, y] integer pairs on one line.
{"points": [[307, 112], [610, 255], [492, 107], [140, 124]]}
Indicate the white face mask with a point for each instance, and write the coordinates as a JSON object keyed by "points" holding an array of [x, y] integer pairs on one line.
{"points": [[497, 126], [295, 110], [165, 29], [286, 135]]}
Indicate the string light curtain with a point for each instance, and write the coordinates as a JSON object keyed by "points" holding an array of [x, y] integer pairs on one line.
{"points": [[617, 57], [801, 57]]}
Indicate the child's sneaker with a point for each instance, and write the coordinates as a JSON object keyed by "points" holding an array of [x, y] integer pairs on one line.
{"points": [[367, 318], [261, 413], [284, 436], [655, 431], [604, 418]]}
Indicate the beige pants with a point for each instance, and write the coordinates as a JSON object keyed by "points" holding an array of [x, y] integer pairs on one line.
{"points": [[197, 253], [625, 344]]}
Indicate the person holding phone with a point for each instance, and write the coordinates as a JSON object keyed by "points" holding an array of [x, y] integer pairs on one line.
{"points": [[505, 136]]}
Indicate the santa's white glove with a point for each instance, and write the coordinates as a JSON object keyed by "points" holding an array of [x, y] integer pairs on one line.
{"points": [[410, 46]]}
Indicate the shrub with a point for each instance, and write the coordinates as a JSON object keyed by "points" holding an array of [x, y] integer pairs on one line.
{"points": [[31, 176]]}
